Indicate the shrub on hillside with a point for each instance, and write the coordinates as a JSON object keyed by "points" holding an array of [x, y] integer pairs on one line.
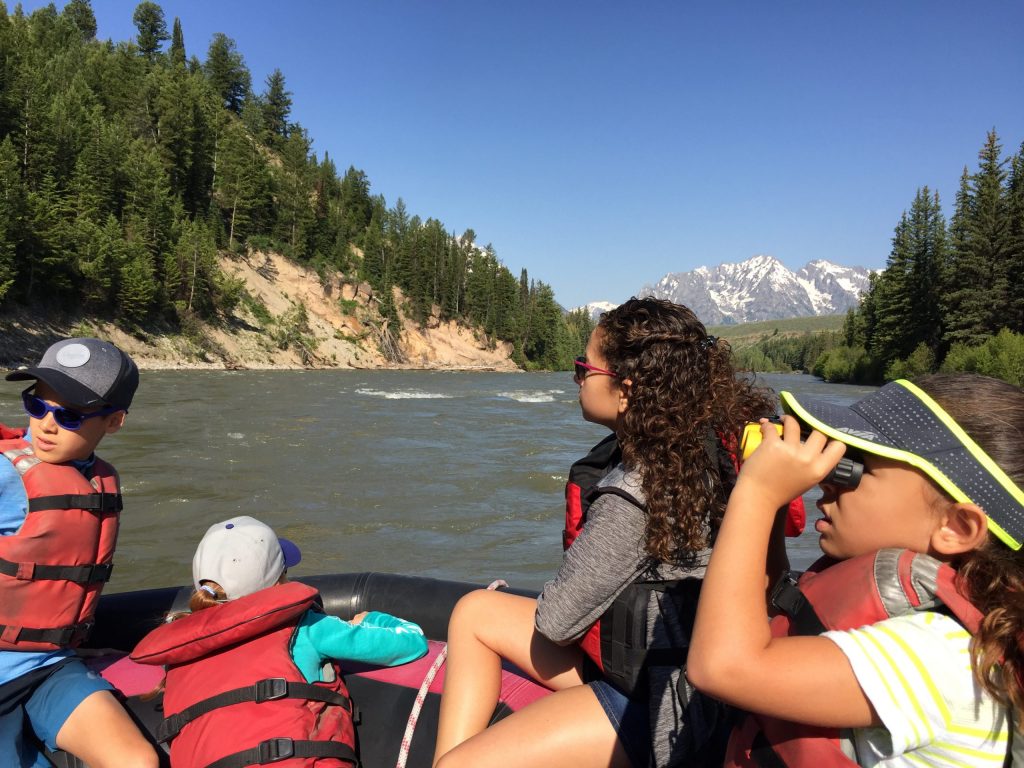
{"points": [[918, 363], [1001, 357], [843, 363]]}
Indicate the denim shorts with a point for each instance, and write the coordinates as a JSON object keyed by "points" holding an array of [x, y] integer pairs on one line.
{"points": [[46, 698], [630, 718]]}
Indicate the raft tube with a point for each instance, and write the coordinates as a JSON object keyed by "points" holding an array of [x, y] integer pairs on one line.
{"points": [[383, 696]]}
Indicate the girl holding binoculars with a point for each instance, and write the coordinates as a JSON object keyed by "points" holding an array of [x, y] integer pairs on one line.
{"points": [[903, 648]]}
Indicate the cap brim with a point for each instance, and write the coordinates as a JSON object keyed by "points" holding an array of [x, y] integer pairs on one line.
{"points": [[901, 422], [290, 550], [842, 423], [70, 392]]}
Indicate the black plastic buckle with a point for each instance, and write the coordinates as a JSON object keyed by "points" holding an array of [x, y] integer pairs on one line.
{"points": [[270, 689], [786, 595], [80, 632], [274, 750]]}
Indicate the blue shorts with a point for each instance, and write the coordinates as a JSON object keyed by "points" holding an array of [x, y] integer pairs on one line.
{"points": [[630, 718], [42, 701]]}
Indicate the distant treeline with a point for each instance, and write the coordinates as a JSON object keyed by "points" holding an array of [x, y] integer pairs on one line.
{"points": [[951, 296], [125, 167]]}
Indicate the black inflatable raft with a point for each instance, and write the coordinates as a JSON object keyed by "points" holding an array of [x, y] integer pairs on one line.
{"points": [[384, 696]]}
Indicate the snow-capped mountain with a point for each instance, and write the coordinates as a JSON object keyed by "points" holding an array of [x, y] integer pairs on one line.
{"points": [[762, 288], [595, 308]]}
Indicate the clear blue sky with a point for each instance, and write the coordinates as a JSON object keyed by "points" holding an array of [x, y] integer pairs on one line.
{"points": [[603, 144]]}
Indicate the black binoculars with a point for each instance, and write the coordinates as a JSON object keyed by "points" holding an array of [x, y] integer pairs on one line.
{"points": [[845, 474]]}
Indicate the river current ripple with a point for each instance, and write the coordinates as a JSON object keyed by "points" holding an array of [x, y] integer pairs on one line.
{"points": [[444, 474]]}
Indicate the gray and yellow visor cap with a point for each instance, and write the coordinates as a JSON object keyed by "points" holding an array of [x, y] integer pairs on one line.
{"points": [[901, 422]]}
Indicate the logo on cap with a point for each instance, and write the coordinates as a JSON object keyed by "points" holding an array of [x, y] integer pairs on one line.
{"points": [[73, 355]]}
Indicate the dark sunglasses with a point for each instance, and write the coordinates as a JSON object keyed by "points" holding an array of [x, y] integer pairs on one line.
{"points": [[65, 417], [581, 369]]}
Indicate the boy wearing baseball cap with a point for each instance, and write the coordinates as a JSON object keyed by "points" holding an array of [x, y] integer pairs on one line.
{"points": [[59, 511]]}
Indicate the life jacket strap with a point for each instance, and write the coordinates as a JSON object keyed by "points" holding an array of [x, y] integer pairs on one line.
{"points": [[763, 755], [787, 597], [91, 573], [593, 493], [268, 689], [61, 636], [103, 503], [273, 750]]}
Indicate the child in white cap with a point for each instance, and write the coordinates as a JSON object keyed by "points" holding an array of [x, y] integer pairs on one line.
{"points": [[905, 645], [59, 512], [250, 671]]}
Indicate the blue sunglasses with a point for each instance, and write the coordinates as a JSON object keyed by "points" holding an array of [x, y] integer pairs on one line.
{"points": [[66, 418]]}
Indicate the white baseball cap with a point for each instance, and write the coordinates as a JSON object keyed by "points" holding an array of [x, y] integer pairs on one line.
{"points": [[243, 555]]}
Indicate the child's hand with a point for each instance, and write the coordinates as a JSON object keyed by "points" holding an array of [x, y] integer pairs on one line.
{"points": [[783, 468], [358, 618]]}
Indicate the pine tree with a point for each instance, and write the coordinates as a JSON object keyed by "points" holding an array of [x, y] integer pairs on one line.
{"points": [[893, 299], [149, 20], [277, 107], [356, 207], [977, 283], [294, 185], [80, 13], [97, 184], [191, 272], [11, 214], [241, 185], [227, 73], [1015, 257], [174, 113], [928, 261], [177, 51], [138, 284], [101, 254], [990, 230]]}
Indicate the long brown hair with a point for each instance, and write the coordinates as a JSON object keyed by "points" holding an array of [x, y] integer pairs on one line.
{"points": [[992, 413], [684, 391]]}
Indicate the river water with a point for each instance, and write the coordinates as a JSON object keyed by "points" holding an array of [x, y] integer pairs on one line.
{"points": [[444, 474]]}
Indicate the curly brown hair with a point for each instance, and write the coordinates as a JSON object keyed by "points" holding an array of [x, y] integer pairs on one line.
{"points": [[992, 413], [683, 390]]}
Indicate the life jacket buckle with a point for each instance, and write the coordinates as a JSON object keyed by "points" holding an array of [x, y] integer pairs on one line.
{"points": [[274, 750], [271, 688], [786, 595], [25, 572], [79, 633], [100, 573]]}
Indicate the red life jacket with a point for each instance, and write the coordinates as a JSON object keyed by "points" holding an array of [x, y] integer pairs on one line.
{"points": [[53, 569], [234, 696], [842, 595]]}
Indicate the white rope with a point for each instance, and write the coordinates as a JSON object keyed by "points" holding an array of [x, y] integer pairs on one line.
{"points": [[421, 694]]}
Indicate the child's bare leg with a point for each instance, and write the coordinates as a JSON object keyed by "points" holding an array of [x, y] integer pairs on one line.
{"points": [[569, 727], [485, 628], [102, 734]]}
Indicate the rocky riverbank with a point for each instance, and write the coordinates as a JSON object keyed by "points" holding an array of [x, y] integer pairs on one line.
{"points": [[291, 319]]}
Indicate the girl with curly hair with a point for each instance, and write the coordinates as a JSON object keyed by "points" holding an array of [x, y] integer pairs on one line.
{"points": [[905, 647], [671, 396]]}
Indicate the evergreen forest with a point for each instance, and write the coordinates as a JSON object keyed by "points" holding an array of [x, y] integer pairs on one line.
{"points": [[950, 298], [126, 168]]}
